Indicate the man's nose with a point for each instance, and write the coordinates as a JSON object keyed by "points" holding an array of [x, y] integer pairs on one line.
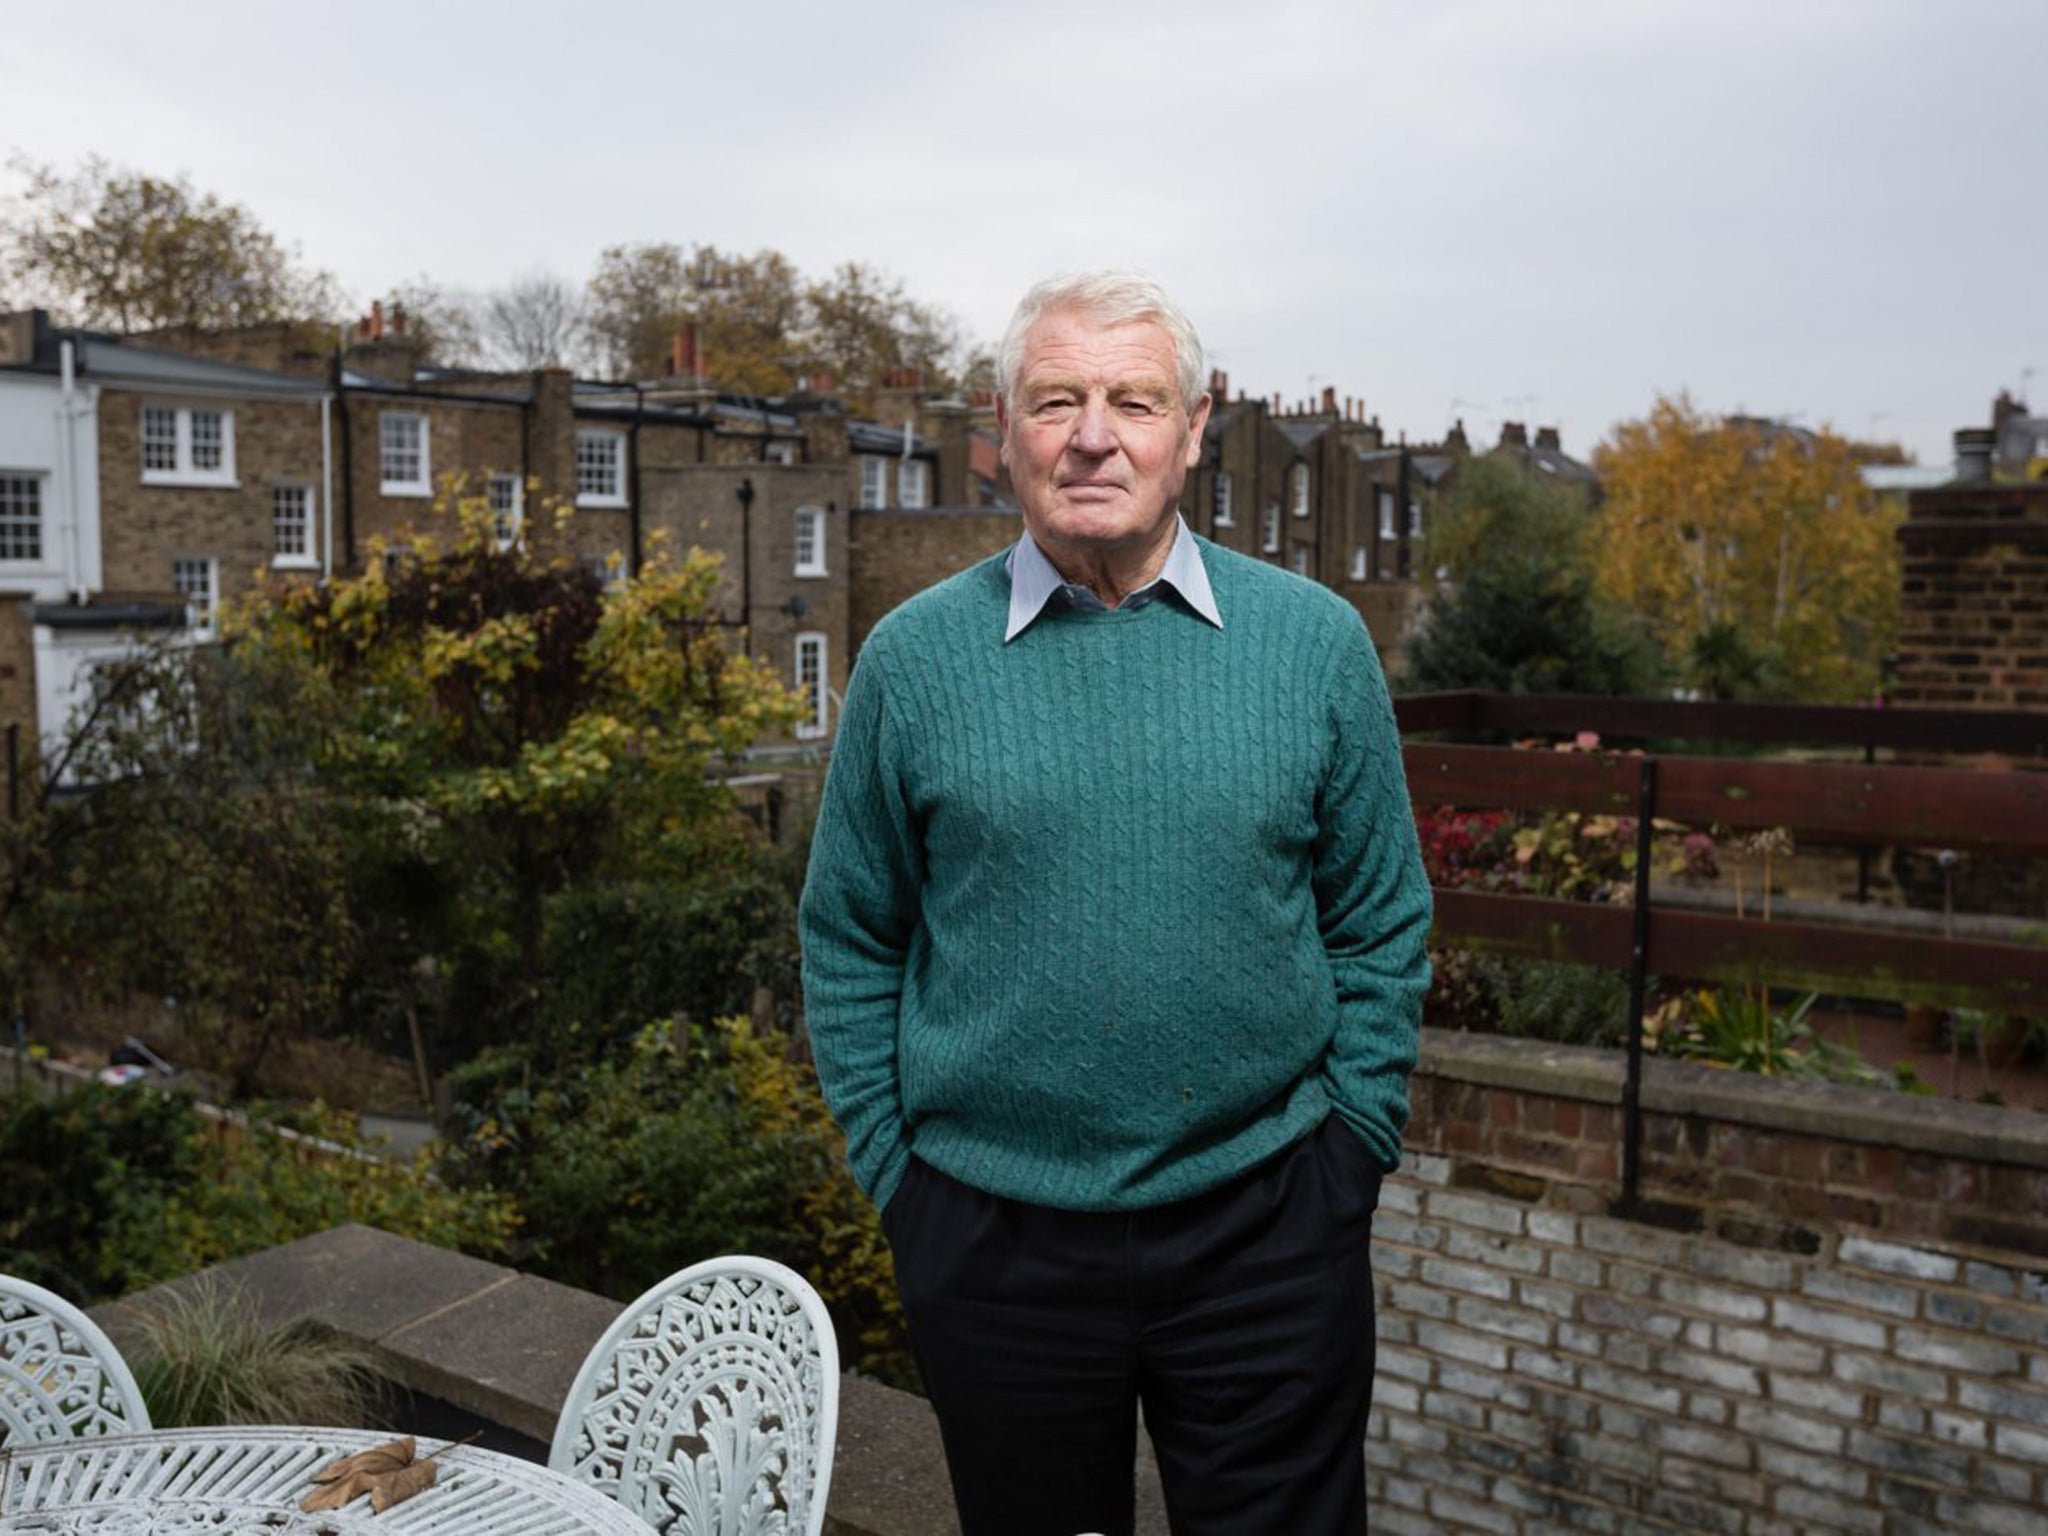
{"points": [[1092, 432]]}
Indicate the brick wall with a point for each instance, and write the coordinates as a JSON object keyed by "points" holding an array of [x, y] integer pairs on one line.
{"points": [[1850, 1337], [17, 685], [896, 554], [1973, 619], [144, 527]]}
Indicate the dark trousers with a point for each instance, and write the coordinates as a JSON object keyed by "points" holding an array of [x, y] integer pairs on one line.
{"points": [[1242, 1319]]}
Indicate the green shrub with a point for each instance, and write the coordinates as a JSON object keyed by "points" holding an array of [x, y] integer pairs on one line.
{"points": [[696, 1142], [109, 1190], [615, 956], [1549, 1000], [208, 1358]]}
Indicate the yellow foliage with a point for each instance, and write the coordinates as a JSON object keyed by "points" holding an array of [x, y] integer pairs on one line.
{"points": [[1712, 523]]}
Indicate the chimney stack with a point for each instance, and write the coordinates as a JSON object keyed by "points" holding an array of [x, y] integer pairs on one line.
{"points": [[373, 327], [2004, 408], [1546, 437], [397, 319], [1514, 434], [1329, 399]]}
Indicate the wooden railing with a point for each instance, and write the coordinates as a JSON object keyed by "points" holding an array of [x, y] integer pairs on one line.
{"points": [[2001, 810]]}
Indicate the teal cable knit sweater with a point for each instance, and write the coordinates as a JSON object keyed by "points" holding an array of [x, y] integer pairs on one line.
{"points": [[1101, 918]]}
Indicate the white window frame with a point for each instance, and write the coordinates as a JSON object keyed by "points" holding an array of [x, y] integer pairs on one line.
{"points": [[1361, 563], [614, 446], [819, 687], [1299, 487], [874, 481], [508, 519], [33, 522], [779, 453], [184, 471], [423, 483], [1386, 509], [1298, 560], [810, 529], [1415, 517], [913, 483], [1221, 517], [1269, 538], [307, 556], [202, 610]]}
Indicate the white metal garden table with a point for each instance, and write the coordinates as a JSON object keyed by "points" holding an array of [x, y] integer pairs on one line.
{"points": [[240, 1481]]}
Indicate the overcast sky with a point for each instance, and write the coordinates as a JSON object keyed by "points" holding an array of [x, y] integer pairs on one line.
{"points": [[1835, 210]]}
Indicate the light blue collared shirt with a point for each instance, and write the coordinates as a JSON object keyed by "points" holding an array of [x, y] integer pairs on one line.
{"points": [[1035, 582]]}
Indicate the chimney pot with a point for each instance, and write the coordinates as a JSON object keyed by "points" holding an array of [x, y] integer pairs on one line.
{"points": [[1973, 454]]}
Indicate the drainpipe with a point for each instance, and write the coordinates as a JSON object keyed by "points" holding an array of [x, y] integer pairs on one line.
{"points": [[745, 492], [348, 469], [67, 414], [327, 487], [633, 512]]}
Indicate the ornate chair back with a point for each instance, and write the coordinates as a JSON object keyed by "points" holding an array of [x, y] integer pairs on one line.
{"points": [[60, 1377], [709, 1408]]}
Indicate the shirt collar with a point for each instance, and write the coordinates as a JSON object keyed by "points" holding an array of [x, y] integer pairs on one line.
{"points": [[1035, 582]]}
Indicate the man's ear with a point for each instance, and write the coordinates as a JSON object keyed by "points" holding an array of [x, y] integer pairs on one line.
{"points": [[1196, 422]]}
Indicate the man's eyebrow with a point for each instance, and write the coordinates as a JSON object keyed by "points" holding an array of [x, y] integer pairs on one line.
{"points": [[1155, 392]]}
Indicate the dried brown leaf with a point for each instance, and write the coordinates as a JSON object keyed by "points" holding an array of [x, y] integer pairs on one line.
{"points": [[340, 1491], [396, 1487], [388, 1457]]}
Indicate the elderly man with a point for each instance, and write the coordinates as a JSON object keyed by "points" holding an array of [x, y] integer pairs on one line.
{"points": [[1113, 957]]}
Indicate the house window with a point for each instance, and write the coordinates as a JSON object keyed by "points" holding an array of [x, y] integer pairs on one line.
{"points": [[913, 483], [1222, 505], [1299, 560], [21, 517], [1414, 519], [600, 469], [1270, 541], [1298, 481], [197, 580], [403, 457], [874, 480], [810, 541], [1359, 567], [187, 445], [1387, 515], [291, 525], [779, 453], [507, 496], [810, 682]]}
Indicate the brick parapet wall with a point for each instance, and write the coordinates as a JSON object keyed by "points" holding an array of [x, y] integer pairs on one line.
{"points": [[1973, 613], [1805, 1361]]}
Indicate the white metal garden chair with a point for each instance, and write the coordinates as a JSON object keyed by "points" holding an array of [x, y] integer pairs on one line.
{"points": [[60, 1377], [709, 1408]]}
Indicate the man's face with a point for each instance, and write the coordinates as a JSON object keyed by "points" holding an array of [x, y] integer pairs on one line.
{"points": [[1096, 437]]}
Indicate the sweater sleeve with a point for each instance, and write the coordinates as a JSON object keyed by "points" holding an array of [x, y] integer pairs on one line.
{"points": [[857, 917], [1372, 902]]}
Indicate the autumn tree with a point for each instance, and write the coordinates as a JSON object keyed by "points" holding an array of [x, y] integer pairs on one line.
{"points": [[749, 312], [123, 251], [760, 323], [863, 324], [1755, 552]]}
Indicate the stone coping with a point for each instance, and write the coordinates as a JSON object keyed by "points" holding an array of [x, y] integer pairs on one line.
{"points": [[1873, 1116], [506, 1346]]}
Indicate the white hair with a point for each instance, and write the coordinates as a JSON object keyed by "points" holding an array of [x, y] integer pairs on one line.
{"points": [[1113, 298]]}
